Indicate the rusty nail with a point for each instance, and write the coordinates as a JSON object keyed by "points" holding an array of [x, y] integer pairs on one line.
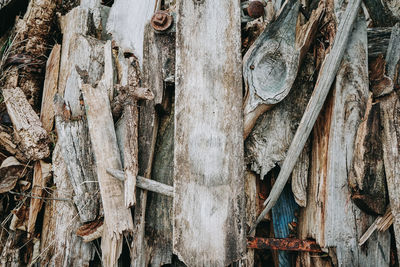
{"points": [[161, 21], [255, 9]]}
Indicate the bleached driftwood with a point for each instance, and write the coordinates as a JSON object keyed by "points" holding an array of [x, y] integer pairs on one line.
{"points": [[28, 131], [208, 152], [117, 217], [382, 223], [60, 246], [325, 79], [390, 112]]}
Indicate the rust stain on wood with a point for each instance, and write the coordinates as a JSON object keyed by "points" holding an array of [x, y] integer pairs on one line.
{"points": [[289, 244]]}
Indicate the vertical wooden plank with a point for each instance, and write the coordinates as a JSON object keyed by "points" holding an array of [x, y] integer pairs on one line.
{"points": [[208, 154], [390, 112], [117, 217], [339, 221]]}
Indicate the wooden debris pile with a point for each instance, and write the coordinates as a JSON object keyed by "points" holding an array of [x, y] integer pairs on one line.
{"points": [[200, 133]]}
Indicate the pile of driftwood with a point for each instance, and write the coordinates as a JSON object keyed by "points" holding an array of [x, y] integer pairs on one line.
{"points": [[200, 133]]}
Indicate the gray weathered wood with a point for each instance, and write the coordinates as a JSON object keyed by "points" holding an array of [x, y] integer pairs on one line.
{"points": [[270, 65], [330, 217], [76, 149], [270, 139], [60, 246], [208, 154], [145, 183], [390, 112], [159, 210], [325, 79], [117, 217], [158, 68]]}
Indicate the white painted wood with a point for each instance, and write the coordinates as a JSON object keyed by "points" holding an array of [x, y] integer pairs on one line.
{"points": [[208, 151], [325, 79], [126, 24]]}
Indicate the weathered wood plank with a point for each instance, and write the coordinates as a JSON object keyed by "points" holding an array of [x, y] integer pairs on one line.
{"points": [[390, 111], [339, 222], [159, 212], [41, 175], [378, 41], [325, 79], [208, 153], [158, 60], [60, 246], [104, 143]]}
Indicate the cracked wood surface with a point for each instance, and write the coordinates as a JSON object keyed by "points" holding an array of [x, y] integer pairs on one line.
{"points": [[209, 204]]}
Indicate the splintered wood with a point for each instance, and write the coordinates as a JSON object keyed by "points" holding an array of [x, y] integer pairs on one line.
{"points": [[208, 155]]}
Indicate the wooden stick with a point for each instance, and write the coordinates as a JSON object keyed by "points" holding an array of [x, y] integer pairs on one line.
{"points": [[145, 183], [324, 82]]}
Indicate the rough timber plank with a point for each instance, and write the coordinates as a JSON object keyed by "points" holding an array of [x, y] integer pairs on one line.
{"points": [[339, 221], [209, 203], [158, 55], [117, 217], [60, 246], [390, 112]]}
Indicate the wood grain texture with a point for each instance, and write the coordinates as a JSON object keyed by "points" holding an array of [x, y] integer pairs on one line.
{"points": [[367, 175], [325, 79], [209, 205], [50, 88], [60, 246], [41, 175], [270, 65], [383, 13], [390, 111], [270, 139], [28, 130], [339, 221], [117, 217], [158, 60], [126, 24]]}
